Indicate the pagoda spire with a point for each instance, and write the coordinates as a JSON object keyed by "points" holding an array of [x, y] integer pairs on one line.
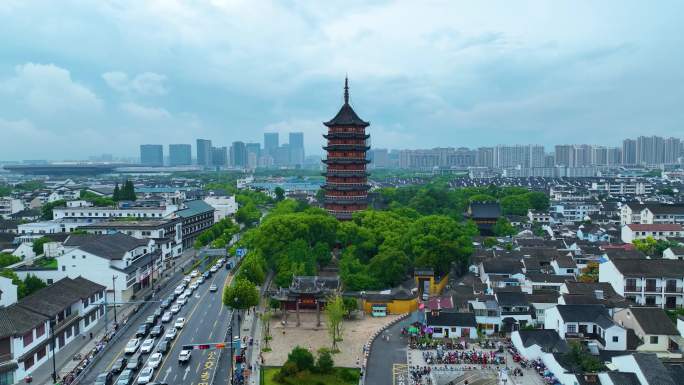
{"points": [[346, 90]]}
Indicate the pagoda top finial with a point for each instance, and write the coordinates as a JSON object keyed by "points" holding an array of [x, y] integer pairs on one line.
{"points": [[346, 90]]}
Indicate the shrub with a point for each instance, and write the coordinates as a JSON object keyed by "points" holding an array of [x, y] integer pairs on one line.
{"points": [[349, 375], [325, 361], [302, 358]]}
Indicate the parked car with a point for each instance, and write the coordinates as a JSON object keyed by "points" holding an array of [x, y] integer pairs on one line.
{"points": [[147, 346], [104, 379], [179, 290], [194, 273], [134, 364], [142, 330], [146, 375], [125, 378], [175, 308], [200, 280], [180, 322], [187, 292], [184, 356], [214, 269], [155, 360], [132, 346], [157, 330]]}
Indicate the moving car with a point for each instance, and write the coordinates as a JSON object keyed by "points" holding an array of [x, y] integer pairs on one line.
{"points": [[200, 280], [119, 365], [213, 269], [180, 322], [147, 346], [184, 356], [104, 379], [157, 331], [213, 288], [142, 330], [155, 360], [151, 320], [166, 303], [167, 316], [182, 300], [194, 286], [163, 346], [170, 334], [179, 289], [146, 375], [125, 378], [175, 309], [158, 313], [187, 292], [134, 364], [132, 346]]}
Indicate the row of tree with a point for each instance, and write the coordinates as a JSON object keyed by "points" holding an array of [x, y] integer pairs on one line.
{"points": [[26, 286], [125, 193], [218, 235]]}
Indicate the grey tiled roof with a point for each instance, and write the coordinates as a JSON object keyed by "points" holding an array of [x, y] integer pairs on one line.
{"points": [[547, 339], [16, 320], [111, 246], [194, 208], [597, 314], [654, 320], [653, 369], [61, 294]]}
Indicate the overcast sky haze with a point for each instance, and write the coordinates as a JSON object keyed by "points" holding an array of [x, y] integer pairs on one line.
{"points": [[81, 78]]}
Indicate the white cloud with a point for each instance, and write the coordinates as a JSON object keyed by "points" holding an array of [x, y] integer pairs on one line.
{"points": [[49, 89], [142, 112], [146, 83]]}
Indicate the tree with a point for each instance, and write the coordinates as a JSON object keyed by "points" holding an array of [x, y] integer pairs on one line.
{"points": [[325, 362], [7, 259], [581, 360], [590, 273], [46, 210], [334, 311], [33, 284], [39, 243], [389, 266], [279, 193], [538, 200], [350, 305], [515, 205], [116, 195], [301, 358], [646, 245], [503, 227], [253, 268], [320, 196], [127, 192], [266, 327], [242, 295], [490, 242]]}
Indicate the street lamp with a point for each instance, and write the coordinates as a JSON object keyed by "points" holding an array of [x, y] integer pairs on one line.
{"points": [[114, 277]]}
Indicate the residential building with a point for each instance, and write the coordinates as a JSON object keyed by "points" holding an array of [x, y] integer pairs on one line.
{"points": [[656, 231], [629, 152], [224, 206], [646, 367], [196, 216], [622, 187], [91, 214], [379, 158], [120, 262], [652, 325], [8, 292], [238, 155], [68, 308], [650, 282], [484, 157], [589, 322], [219, 157], [449, 324], [9, 206], [152, 155], [253, 154], [204, 153], [296, 142], [180, 155], [271, 143]]}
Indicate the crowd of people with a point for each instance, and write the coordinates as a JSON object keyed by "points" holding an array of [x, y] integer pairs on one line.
{"points": [[470, 357], [420, 375], [536, 365]]}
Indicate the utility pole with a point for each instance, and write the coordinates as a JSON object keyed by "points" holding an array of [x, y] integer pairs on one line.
{"points": [[114, 277], [52, 337]]}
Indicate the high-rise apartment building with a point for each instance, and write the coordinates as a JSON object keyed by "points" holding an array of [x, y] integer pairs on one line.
{"points": [[599, 155], [253, 154], [519, 155], [614, 156], [152, 155], [204, 153], [650, 150], [180, 154], [484, 157], [238, 154], [564, 155], [296, 148], [379, 158], [629, 152], [672, 150], [271, 143], [219, 156]]}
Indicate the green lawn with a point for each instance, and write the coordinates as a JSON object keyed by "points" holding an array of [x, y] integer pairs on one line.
{"points": [[46, 263], [334, 378]]}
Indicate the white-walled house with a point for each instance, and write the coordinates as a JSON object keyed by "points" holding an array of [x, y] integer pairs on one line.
{"points": [[225, 206], [674, 253], [651, 324], [8, 292], [650, 282], [663, 231], [452, 324], [121, 263], [647, 368], [543, 344], [590, 322], [68, 308]]}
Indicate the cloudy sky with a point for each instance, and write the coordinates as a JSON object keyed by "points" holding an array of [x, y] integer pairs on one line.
{"points": [[80, 78]]}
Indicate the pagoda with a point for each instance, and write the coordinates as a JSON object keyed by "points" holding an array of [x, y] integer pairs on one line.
{"points": [[346, 179]]}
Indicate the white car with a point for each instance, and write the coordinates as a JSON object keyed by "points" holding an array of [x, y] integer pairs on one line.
{"points": [[213, 288], [200, 280], [166, 317], [146, 375], [179, 289], [187, 292], [170, 334], [155, 360], [174, 310], [132, 346], [214, 269], [194, 273], [194, 286], [180, 322], [182, 300], [147, 346], [187, 280], [184, 356]]}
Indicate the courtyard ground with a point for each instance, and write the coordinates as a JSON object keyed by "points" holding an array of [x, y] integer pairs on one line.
{"points": [[356, 334]]}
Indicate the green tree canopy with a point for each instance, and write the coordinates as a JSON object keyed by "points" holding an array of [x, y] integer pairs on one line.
{"points": [[38, 244], [46, 209], [242, 295], [503, 227]]}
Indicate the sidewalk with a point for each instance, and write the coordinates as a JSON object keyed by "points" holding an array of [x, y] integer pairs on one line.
{"points": [[64, 357]]}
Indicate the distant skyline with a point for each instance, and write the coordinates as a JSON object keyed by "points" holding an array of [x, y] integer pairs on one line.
{"points": [[81, 78]]}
